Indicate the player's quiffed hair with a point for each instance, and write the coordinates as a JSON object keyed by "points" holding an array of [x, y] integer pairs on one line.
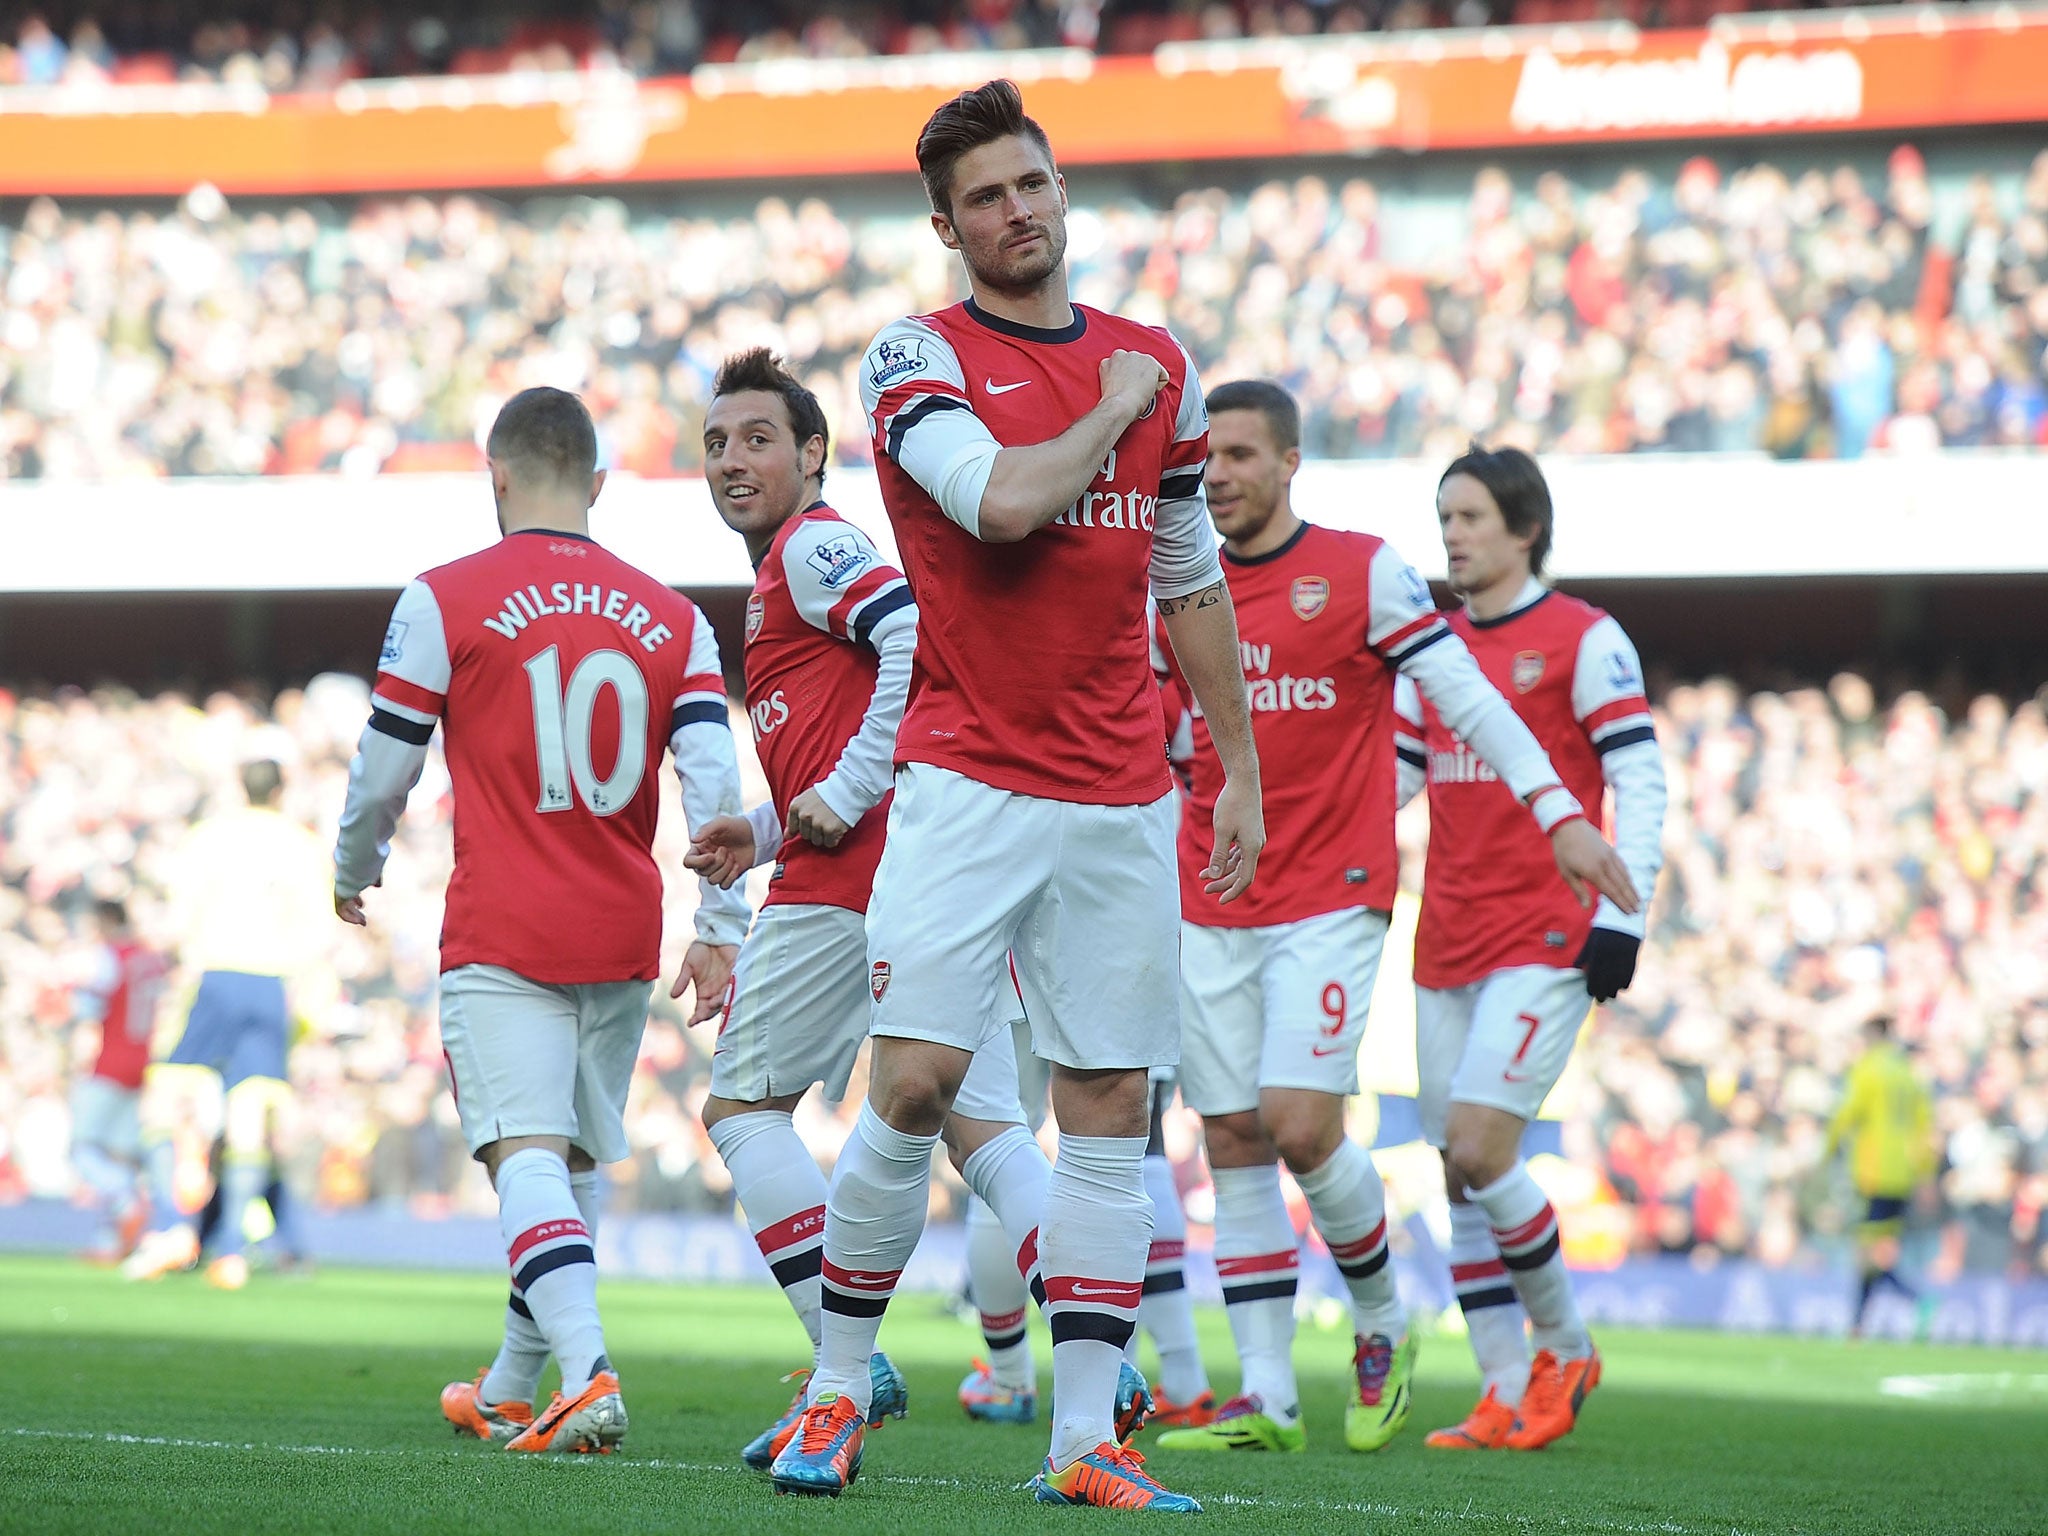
{"points": [[1518, 489], [545, 436], [971, 119], [759, 368], [1270, 400]]}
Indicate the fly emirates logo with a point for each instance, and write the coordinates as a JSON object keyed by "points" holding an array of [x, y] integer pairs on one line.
{"points": [[1285, 693], [1460, 765], [1111, 508]]}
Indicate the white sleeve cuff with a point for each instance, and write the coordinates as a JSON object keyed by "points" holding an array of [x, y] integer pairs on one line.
{"points": [[1554, 807], [767, 832]]}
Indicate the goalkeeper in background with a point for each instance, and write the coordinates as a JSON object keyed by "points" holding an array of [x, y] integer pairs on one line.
{"points": [[1887, 1123]]}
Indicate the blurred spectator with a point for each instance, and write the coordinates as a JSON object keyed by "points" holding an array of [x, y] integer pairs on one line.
{"points": [[1823, 855], [1758, 308], [278, 45]]}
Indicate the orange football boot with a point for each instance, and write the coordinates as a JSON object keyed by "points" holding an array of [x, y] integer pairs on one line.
{"points": [[593, 1422], [1486, 1428], [1167, 1414], [462, 1405], [1550, 1408]]}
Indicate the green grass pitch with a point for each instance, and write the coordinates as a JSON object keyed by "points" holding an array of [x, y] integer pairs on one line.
{"points": [[311, 1406]]}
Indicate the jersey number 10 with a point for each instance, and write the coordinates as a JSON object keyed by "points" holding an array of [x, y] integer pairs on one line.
{"points": [[562, 724]]}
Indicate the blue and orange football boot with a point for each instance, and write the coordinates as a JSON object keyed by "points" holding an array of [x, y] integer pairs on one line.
{"points": [[823, 1454], [1109, 1477], [890, 1400], [990, 1402], [1133, 1402]]}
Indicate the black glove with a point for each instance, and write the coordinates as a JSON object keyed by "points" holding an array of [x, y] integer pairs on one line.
{"points": [[1609, 961]]}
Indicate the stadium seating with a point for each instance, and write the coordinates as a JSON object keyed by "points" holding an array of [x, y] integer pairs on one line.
{"points": [[87, 41], [1804, 311]]}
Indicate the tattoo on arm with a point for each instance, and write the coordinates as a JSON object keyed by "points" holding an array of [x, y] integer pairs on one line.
{"points": [[1208, 597]]}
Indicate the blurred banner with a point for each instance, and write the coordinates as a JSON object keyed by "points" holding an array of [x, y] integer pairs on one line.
{"points": [[1965, 511], [1927, 67]]}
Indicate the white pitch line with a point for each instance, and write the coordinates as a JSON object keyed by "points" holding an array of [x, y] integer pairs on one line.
{"points": [[1433, 1517]]}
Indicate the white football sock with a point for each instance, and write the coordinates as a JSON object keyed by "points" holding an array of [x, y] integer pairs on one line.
{"points": [[1349, 1204], [1259, 1262], [554, 1264], [1525, 1228], [1494, 1319], [1000, 1297], [873, 1218], [1092, 1243], [1009, 1173], [514, 1375], [782, 1195], [1167, 1312]]}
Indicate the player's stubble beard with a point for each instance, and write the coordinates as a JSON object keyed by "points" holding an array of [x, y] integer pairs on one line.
{"points": [[1021, 276]]}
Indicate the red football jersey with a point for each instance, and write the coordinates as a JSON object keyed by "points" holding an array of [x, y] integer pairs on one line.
{"points": [[1033, 669], [1321, 621], [1491, 894], [817, 598], [560, 672], [126, 986]]}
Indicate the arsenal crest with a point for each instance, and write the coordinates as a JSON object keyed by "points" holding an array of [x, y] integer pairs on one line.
{"points": [[878, 979], [756, 612], [1527, 671], [1311, 595]]}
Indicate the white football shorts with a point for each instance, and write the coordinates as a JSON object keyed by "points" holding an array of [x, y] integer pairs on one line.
{"points": [[1084, 899], [797, 1014], [1276, 1007], [1502, 1042], [106, 1115], [533, 1058]]}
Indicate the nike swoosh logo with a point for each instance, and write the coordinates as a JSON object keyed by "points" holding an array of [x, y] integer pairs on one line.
{"points": [[1509, 1077], [1098, 1290], [1317, 1050], [1002, 389]]}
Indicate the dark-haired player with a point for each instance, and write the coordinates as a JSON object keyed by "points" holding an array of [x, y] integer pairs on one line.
{"points": [[1041, 463], [1275, 987], [830, 633], [1507, 956], [561, 674]]}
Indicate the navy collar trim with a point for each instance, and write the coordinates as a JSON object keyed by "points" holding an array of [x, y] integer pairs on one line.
{"points": [[555, 533], [1513, 613], [1072, 331], [1272, 554]]}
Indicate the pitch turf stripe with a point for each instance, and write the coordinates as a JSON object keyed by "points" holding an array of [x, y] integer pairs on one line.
{"points": [[595, 1465]]}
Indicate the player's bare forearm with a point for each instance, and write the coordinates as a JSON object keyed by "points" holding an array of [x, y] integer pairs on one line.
{"points": [[1030, 486], [1202, 628]]}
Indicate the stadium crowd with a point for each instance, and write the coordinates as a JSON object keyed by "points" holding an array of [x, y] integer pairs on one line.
{"points": [[1805, 313], [284, 45], [1827, 855]]}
